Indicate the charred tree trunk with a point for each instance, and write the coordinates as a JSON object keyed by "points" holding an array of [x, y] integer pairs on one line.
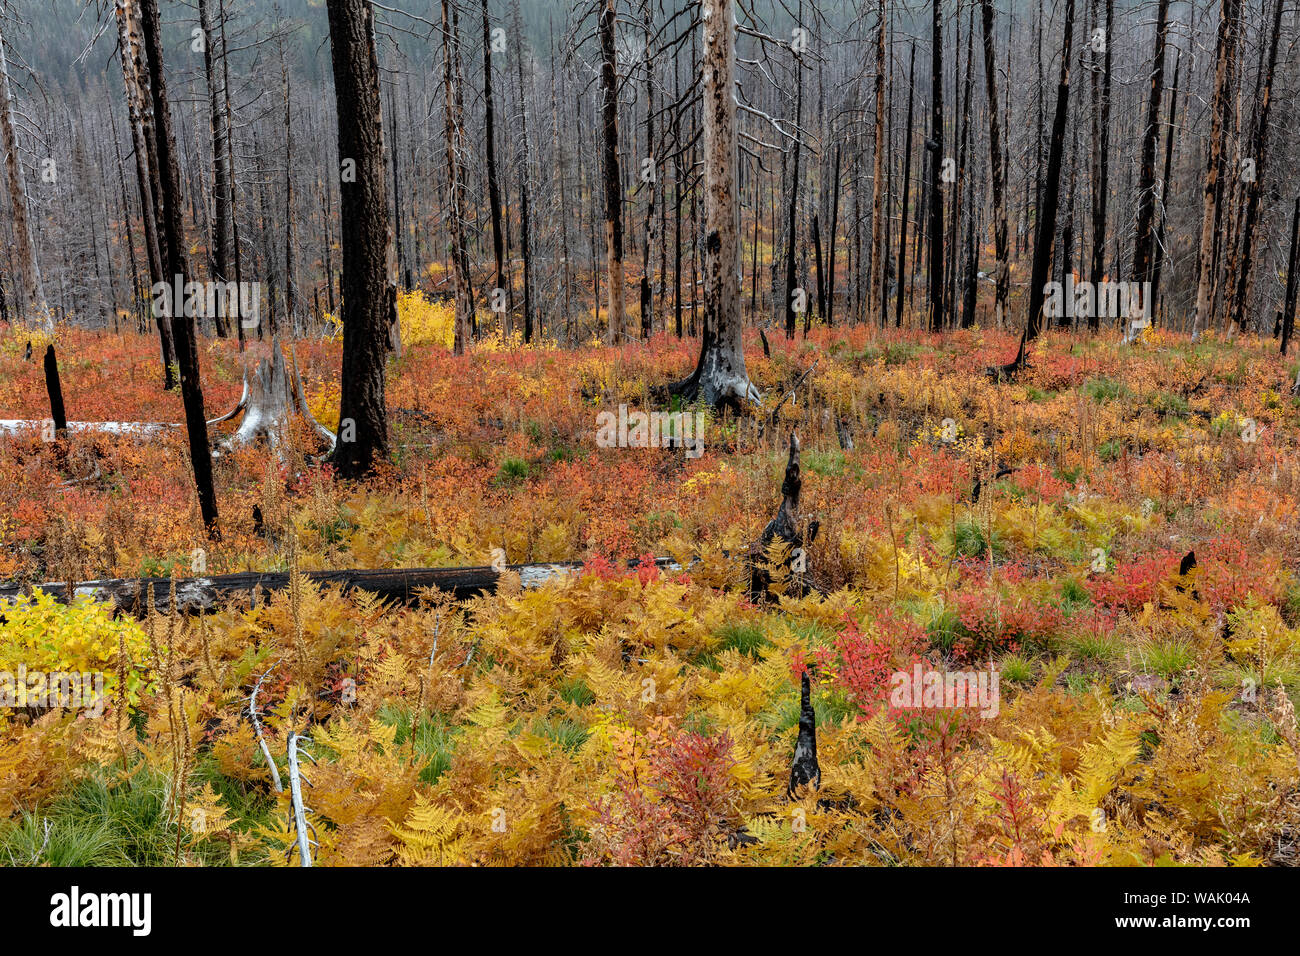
{"points": [[219, 125], [1143, 239], [1259, 151], [1046, 232], [907, 185], [1159, 254], [613, 177], [934, 146], [1229, 11], [29, 267], [291, 304], [1101, 155], [453, 133], [135, 78], [363, 427], [878, 211], [525, 175], [720, 377], [177, 264], [1292, 279], [490, 151], [55, 390]]}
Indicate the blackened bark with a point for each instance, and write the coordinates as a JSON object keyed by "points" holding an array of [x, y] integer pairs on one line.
{"points": [[1142, 256], [1289, 301], [489, 136], [1159, 254], [907, 185], [1101, 180], [55, 390], [935, 149], [177, 264], [613, 178], [364, 228], [1259, 152], [1051, 188]]}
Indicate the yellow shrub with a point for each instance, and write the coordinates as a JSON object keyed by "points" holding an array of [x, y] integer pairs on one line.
{"points": [[40, 634], [425, 322]]}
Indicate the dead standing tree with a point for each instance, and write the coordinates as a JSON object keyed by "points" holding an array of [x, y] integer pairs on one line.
{"points": [[1002, 273], [454, 134], [174, 255], [363, 426], [936, 160], [720, 377], [612, 176], [32, 287], [1046, 233], [1143, 243], [1229, 13]]}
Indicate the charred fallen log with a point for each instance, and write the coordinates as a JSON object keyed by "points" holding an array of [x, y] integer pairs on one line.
{"points": [[204, 594]]}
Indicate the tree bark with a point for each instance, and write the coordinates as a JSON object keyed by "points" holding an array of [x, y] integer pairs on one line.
{"points": [[878, 250], [489, 137], [1229, 10], [363, 427], [219, 124], [907, 185], [720, 377], [1292, 279], [1101, 177], [177, 264], [935, 149], [1259, 152], [613, 177], [1046, 233], [28, 262], [1142, 243], [1159, 254], [55, 390], [207, 594]]}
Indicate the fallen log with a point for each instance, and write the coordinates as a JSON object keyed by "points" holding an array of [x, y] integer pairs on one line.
{"points": [[18, 426], [204, 594]]}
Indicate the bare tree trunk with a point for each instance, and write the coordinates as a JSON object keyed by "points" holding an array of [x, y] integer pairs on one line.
{"points": [[613, 177], [1046, 233], [230, 161], [140, 111], [1142, 243], [363, 427], [1293, 266], [792, 221], [1164, 185], [1259, 152], [878, 251], [489, 136], [219, 124], [1229, 10], [1101, 154], [525, 177], [33, 291], [177, 264], [290, 280], [907, 184], [720, 378], [935, 149], [650, 238], [453, 131]]}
